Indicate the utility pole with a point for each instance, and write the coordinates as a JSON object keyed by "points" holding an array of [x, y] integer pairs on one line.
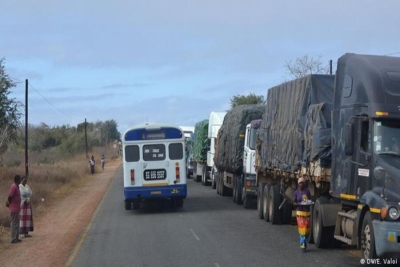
{"points": [[330, 66], [87, 156], [26, 129]]}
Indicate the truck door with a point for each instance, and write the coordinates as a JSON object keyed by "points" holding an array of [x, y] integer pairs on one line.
{"points": [[362, 157]]}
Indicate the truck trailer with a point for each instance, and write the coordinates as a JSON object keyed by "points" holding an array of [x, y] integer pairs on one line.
{"points": [[215, 121], [337, 132], [235, 173], [199, 151]]}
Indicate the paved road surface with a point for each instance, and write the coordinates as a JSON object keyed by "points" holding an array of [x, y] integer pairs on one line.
{"points": [[209, 230]]}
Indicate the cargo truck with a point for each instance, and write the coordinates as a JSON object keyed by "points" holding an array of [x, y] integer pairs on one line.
{"points": [[215, 121], [199, 151], [338, 133], [235, 166]]}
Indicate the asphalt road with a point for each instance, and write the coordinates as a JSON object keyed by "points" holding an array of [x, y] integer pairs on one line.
{"points": [[210, 230]]}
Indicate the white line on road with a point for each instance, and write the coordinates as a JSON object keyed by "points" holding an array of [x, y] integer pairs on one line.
{"points": [[180, 215], [216, 264], [195, 236]]}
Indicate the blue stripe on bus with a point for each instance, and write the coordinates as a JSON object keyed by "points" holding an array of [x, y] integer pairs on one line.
{"points": [[155, 192]]}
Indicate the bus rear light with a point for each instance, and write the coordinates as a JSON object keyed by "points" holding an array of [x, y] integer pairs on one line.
{"points": [[132, 176], [177, 175]]}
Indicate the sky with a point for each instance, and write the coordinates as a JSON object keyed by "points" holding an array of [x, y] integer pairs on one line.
{"points": [[175, 61]]}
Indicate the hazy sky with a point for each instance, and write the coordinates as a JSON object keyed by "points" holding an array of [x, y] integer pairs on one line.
{"points": [[174, 61]]}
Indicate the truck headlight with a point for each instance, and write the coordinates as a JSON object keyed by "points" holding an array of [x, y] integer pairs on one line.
{"points": [[394, 213]]}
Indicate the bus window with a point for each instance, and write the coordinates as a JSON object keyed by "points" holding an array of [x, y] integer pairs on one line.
{"points": [[175, 151], [132, 153], [154, 152]]}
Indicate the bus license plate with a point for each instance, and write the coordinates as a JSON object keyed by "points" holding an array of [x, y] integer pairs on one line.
{"points": [[156, 174], [175, 191]]}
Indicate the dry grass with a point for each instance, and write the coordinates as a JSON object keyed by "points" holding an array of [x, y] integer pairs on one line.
{"points": [[49, 181]]}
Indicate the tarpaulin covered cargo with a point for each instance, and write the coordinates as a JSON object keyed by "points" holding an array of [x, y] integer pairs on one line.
{"points": [[200, 141], [230, 141], [296, 123]]}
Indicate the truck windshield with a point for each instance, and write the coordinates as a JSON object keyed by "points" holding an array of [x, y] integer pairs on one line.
{"points": [[252, 141], [387, 137]]}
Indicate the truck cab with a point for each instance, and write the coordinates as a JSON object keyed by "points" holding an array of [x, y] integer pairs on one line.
{"points": [[249, 190]]}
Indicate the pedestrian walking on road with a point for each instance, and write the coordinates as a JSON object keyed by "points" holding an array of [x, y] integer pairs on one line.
{"points": [[26, 216], [302, 197], [14, 205]]}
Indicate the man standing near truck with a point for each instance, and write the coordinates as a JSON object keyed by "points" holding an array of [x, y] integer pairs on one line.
{"points": [[302, 197]]}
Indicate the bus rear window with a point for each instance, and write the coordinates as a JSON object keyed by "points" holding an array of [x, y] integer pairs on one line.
{"points": [[154, 152], [175, 151], [132, 153]]}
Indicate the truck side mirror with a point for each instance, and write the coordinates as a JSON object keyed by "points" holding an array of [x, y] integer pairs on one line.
{"points": [[348, 142]]}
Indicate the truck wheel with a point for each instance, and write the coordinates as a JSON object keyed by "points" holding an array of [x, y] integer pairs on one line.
{"points": [[320, 233], [310, 237], [224, 189], [239, 192], [203, 178], [234, 193], [274, 202], [260, 201], [287, 213], [128, 205], [213, 183], [217, 185], [367, 238], [197, 178], [265, 198]]}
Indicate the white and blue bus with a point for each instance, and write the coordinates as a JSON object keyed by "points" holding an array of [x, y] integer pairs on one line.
{"points": [[154, 164]]}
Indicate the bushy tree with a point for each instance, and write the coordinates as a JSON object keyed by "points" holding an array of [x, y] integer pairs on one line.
{"points": [[251, 98], [9, 110]]}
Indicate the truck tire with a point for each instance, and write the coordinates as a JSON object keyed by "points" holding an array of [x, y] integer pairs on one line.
{"points": [[213, 183], [234, 190], [224, 189], [265, 198], [368, 248], [310, 237], [287, 213], [274, 202], [128, 205], [260, 201], [197, 178], [321, 234], [239, 193], [217, 185], [203, 177]]}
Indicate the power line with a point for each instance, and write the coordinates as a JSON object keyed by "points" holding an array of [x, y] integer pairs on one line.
{"points": [[52, 103], [392, 54]]}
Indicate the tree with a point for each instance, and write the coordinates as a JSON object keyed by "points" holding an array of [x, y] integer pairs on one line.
{"points": [[251, 98], [304, 66], [9, 110]]}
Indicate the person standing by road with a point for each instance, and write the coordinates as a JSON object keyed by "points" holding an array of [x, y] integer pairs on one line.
{"points": [[301, 196], [92, 162], [26, 219], [103, 161], [14, 205]]}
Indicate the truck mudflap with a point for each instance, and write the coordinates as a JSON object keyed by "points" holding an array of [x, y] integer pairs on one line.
{"points": [[387, 238], [142, 192]]}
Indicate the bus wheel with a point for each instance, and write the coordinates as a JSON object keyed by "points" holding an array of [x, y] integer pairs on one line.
{"points": [[128, 205], [136, 204], [367, 238]]}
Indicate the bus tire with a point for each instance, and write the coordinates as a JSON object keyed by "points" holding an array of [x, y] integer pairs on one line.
{"points": [[320, 233], [274, 202], [368, 248], [128, 205], [136, 204], [265, 199]]}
